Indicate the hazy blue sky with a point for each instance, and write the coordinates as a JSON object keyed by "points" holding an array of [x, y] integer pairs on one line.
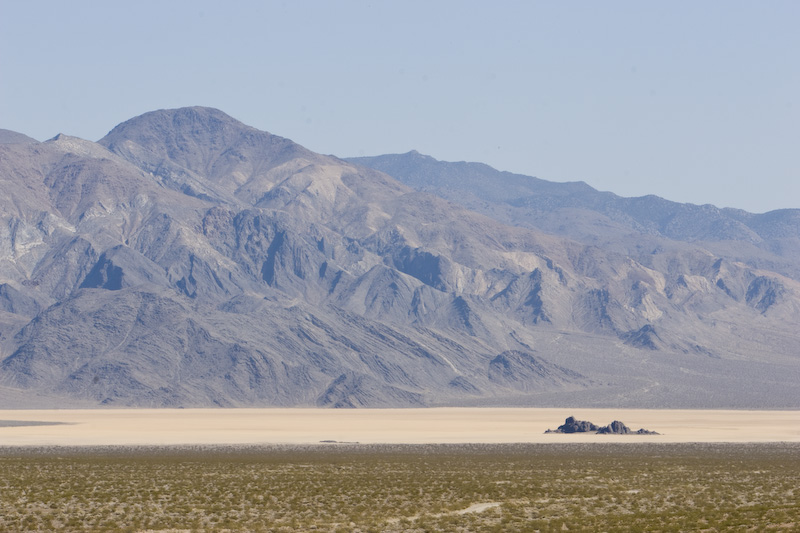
{"points": [[694, 101]]}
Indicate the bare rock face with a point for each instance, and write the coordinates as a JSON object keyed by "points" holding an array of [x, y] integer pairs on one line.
{"points": [[187, 259], [526, 372]]}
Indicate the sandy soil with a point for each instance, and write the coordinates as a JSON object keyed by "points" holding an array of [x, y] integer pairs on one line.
{"points": [[411, 426]]}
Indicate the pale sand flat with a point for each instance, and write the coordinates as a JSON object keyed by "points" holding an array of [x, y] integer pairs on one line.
{"points": [[402, 426]]}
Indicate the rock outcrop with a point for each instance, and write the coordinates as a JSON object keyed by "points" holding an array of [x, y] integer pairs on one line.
{"points": [[572, 425], [618, 428]]}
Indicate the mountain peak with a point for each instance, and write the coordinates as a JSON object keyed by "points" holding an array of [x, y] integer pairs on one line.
{"points": [[185, 120], [60, 137], [199, 113], [76, 145], [182, 128], [195, 139]]}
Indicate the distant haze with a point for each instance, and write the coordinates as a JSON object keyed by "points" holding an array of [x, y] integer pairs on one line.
{"points": [[694, 102]]}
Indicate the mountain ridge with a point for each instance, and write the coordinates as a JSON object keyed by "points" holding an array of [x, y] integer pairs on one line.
{"points": [[187, 259], [578, 211]]}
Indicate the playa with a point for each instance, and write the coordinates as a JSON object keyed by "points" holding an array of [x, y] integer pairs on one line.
{"points": [[167, 427]]}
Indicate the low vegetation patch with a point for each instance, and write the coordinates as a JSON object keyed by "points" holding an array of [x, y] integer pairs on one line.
{"points": [[335, 487]]}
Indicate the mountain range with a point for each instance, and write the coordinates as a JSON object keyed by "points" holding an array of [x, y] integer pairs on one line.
{"points": [[187, 259]]}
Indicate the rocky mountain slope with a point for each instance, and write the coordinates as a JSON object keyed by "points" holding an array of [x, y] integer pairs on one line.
{"points": [[634, 226], [186, 259]]}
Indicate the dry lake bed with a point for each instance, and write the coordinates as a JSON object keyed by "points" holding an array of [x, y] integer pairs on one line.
{"points": [[165, 427]]}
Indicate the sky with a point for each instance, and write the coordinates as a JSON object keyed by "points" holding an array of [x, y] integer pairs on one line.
{"points": [[692, 101]]}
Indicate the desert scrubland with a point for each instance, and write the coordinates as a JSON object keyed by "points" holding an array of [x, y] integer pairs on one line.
{"points": [[445, 487]]}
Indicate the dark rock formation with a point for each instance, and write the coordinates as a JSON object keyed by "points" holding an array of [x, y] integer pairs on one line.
{"points": [[615, 428], [571, 425]]}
